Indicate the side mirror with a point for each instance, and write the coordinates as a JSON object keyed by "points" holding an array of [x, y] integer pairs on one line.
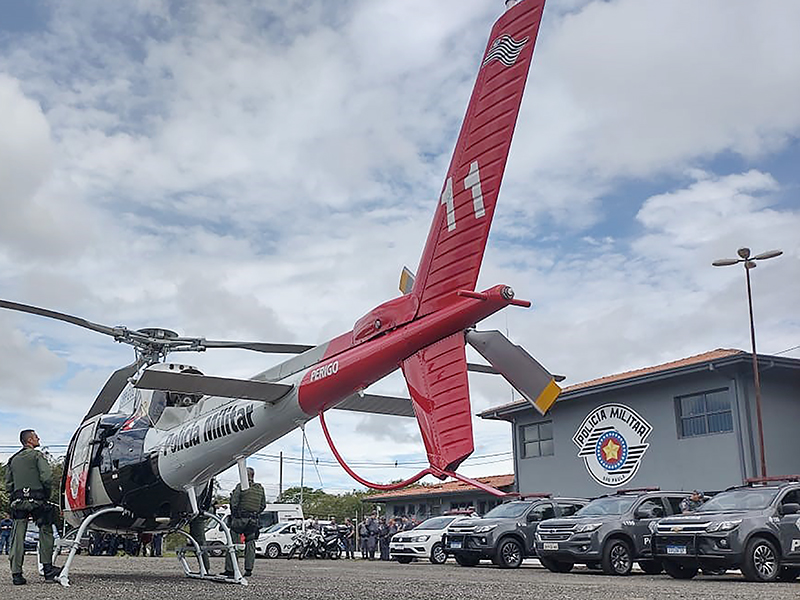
{"points": [[643, 513], [534, 516], [790, 508]]}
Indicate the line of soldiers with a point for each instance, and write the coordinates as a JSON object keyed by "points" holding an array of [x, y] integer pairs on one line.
{"points": [[375, 533]]}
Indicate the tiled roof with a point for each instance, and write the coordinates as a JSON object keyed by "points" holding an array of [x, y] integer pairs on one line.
{"points": [[627, 375], [448, 487]]}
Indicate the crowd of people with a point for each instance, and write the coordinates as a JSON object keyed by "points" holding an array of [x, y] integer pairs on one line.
{"points": [[375, 534]]}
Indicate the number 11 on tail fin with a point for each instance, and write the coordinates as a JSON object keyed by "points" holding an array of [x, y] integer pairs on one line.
{"points": [[454, 249], [451, 260]]}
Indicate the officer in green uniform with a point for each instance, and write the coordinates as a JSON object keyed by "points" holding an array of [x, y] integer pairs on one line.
{"points": [[28, 482], [246, 506]]}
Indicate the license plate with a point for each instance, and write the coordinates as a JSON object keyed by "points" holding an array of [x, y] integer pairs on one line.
{"points": [[676, 549], [455, 544], [550, 546]]}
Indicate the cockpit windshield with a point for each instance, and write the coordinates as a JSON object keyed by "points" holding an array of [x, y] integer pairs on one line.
{"points": [[128, 400]]}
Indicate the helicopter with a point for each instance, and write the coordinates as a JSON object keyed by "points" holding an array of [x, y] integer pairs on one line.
{"points": [[144, 456]]}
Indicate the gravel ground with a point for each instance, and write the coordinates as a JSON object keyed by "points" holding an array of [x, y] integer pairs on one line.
{"points": [[134, 578]]}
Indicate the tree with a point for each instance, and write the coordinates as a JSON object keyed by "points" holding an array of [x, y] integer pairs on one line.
{"points": [[316, 503]]}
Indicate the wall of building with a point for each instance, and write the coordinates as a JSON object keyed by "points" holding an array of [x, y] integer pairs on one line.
{"points": [[708, 462], [780, 390], [423, 507]]}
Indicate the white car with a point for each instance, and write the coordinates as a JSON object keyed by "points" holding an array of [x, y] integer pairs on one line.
{"points": [[424, 541], [277, 539]]}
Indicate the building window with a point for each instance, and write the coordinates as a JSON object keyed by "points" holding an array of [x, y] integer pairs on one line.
{"points": [[704, 414], [537, 440]]}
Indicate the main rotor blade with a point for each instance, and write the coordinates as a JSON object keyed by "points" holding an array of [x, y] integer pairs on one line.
{"points": [[51, 314], [378, 405], [186, 383], [267, 347], [518, 367], [479, 368], [112, 389]]}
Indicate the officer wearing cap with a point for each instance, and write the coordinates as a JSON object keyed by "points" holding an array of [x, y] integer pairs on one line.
{"points": [[28, 482]]}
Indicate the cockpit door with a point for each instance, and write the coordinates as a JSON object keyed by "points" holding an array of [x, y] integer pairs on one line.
{"points": [[76, 488]]}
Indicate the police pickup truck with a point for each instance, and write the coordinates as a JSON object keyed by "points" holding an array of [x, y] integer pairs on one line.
{"points": [[611, 532], [506, 533], [755, 528]]}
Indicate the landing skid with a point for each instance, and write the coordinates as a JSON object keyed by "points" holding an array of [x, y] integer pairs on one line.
{"points": [[198, 550], [73, 541]]}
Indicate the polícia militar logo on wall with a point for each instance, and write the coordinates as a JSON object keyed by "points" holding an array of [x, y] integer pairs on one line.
{"points": [[611, 441]]}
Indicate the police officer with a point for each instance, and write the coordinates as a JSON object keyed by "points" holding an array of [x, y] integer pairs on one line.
{"points": [[246, 506], [28, 482], [6, 525], [383, 538], [348, 534], [199, 525], [692, 503], [372, 537]]}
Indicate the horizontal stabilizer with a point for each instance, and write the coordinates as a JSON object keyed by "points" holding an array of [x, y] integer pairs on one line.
{"points": [[186, 383], [518, 367], [378, 405], [406, 281]]}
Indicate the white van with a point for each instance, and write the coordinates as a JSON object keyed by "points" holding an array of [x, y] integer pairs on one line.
{"points": [[272, 514]]}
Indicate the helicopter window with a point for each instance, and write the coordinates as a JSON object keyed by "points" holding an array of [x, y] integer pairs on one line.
{"points": [[129, 399], [80, 455], [158, 403], [182, 400]]}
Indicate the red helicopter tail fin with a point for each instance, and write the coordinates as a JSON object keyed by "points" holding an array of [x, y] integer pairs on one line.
{"points": [[437, 381], [453, 252]]}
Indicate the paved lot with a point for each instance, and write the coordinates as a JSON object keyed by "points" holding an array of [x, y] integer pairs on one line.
{"points": [[134, 578]]}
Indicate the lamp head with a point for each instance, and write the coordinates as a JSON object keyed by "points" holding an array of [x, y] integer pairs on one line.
{"points": [[744, 253]]}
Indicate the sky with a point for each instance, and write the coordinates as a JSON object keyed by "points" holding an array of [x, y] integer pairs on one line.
{"points": [[263, 171]]}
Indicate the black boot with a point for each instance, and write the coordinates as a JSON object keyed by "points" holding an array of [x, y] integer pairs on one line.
{"points": [[51, 572], [18, 579]]}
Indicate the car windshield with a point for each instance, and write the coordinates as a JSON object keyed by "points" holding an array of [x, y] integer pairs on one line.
{"points": [[612, 505], [435, 523], [274, 528], [508, 510], [750, 499]]}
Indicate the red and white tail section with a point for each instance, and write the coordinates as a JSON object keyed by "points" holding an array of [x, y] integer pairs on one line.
{"points": [[451, 260], [453, 252]]}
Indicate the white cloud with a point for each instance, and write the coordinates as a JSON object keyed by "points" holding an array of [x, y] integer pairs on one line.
{"points": [[231, 170]]}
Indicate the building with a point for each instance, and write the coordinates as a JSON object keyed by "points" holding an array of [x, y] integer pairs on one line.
{"points": [[423, 501], [682, 425]]}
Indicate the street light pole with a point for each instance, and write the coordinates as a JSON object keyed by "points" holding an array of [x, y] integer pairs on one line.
{"points": [[750, 263]]}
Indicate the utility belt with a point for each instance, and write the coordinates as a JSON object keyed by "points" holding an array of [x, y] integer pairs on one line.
{"points": [[27, 503], [244, 521]]}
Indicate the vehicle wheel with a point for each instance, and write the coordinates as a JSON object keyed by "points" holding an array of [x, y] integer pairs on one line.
{"points": [[617, 559], [509, 553], [466, 561], [335, 553], [273, 551], [789, 573], [556, 566], [404, 560], [438, 557], [678, 571], [217, 549], [761, 561], [651, 567]]}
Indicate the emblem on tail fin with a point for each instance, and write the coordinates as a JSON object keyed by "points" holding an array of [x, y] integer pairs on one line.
{"points": [[505, 50]]}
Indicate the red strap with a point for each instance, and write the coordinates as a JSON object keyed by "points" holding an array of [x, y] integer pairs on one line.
{"points": [[362, 481]]}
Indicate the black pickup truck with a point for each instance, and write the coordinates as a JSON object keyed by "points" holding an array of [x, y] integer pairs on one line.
{"points": [[755, 528], [506, 534]]}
